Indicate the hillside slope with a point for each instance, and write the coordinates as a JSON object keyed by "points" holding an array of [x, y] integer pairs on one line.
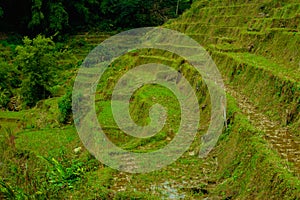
{"points": [[255, 44]]}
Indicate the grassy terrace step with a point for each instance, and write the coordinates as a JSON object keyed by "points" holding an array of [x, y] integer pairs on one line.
{"points": [[242, 21], [212, 39], [274, 89], [11, 115], [11, 119], [278, 9], [288, 11], [262, 23], [212, 10], [156, 58], [205, 24], [226, 47], [210, 30], [203, 27], [255, 38], [270, 32], [218, 3], [261, 62], [246, 10], [231, 20], [48, 141], [279, 12], [256, 61], [281, 41]]}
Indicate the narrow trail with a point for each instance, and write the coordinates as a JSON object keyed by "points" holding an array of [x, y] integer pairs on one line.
{"points": [[278, 137]]}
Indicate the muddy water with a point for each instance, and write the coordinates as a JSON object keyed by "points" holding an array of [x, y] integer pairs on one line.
{"points": [[278, 137]]}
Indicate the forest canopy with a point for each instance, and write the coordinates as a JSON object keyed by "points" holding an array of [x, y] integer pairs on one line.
{"points": [[33, 17]]}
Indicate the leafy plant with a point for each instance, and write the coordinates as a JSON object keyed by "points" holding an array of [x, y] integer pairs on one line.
{"points": [[4, 97], [65, 107], [63, 174], [8, 81], [37, 15], [37, 62], [8, 192], [58, 17]]}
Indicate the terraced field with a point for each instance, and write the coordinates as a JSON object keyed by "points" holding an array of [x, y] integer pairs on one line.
{"points": [[255, 45]]}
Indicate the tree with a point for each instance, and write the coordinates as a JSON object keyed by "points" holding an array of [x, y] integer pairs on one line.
{"points": [[37, 15], [138, 13], [58, 17], [5, 91], [49, 17], [37, 63]]}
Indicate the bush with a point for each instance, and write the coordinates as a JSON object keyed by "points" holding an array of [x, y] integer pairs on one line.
{"points": [[65, 108], [8, 80], [37, 62]]}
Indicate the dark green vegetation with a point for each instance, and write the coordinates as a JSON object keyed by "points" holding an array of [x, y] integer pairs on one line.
{"points": [[51, 17], [256, 47]]}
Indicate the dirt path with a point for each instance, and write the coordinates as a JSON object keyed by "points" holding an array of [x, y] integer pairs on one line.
{"points": [[278, 137]]}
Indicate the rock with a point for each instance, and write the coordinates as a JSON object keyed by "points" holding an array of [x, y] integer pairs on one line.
{"points": [[77, 150]]}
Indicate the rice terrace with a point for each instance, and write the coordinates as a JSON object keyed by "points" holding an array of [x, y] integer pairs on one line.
{"points": [[132, 99]]}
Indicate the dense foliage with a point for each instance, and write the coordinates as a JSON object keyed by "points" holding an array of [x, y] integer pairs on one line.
{"points": [[27, 71], [65, 107], [8, 81], [50, 17], [36, 60], [42, 156]]}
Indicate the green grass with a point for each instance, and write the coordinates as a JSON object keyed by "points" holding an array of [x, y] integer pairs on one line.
{"points": [[12, 115], [242, 166], [247, 164], [48, 142], [264, 63], [142, 100]]}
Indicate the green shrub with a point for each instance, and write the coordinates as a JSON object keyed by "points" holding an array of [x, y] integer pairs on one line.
{"points": [[65, 108], [37, 62], [63, 174], [8, 192]]}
